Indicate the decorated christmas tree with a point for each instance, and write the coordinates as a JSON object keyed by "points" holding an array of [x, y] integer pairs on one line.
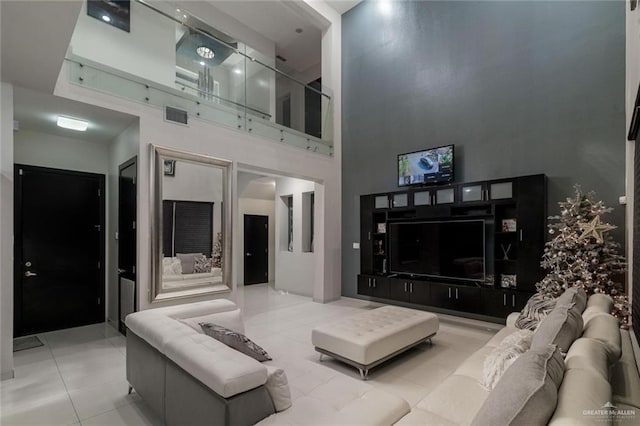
{"points": [[582, 254], [217, 252]]}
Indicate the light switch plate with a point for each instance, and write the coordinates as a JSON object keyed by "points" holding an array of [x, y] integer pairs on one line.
{"points": [[622, 200], [356, 245]]}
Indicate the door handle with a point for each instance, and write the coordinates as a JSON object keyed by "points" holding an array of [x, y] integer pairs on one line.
{"points": [[249, 254], [121, 271], [30, 274]]}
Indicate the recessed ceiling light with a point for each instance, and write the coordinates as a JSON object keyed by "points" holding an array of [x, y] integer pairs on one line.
{"points": [[205, 52], [106, 18], [237, 70], [202, 63], [72, 123]]}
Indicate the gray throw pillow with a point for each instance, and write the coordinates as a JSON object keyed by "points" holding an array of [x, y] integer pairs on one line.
{"points": [[534, 311], [561, 327], [575, 296], [527, 393], [188, 261], [234, 340]]}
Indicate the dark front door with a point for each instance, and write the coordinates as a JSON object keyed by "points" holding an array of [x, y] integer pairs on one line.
{"points": [[256, 249], [127, 196], [59, 249]]}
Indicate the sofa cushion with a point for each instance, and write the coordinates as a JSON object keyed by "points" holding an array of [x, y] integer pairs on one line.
{"points": [[561, 327], [606, 329], [534, 311], [237, 341], [499, 336], [473, 366], [420, 417], [527, 393], [223, 369], [588, 354], [601, 302], [230, 319], [457, 399], [278, 387], [503, 355], [188, 261], [581, 390], [575, 296]]}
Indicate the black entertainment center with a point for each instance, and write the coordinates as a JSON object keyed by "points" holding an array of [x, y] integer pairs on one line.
{"points": [[472, 248]]}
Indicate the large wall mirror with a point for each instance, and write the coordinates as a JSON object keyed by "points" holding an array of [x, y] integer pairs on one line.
{"points": [[191, 226]]}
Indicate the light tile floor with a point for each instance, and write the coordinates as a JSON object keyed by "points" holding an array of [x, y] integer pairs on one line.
{"points": [[78, 376]]}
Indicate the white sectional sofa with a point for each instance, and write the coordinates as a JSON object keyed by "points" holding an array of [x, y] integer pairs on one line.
{"points": [[600, 370], [189, 378]]}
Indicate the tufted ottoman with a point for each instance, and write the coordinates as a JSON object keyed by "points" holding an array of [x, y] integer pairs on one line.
{"points": [[372, 337]]}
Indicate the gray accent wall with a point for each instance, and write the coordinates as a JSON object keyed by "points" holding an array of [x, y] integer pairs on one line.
{"points": [[519, 88]]}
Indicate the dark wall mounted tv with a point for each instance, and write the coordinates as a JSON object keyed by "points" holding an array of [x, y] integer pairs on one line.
{"points": [[433, 165], [452, 249]]}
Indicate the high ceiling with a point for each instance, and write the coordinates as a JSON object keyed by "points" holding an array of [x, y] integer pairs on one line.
{"points": [[37, 111]]}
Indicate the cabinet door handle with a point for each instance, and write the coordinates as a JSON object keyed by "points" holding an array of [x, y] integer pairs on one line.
{"points": [[513, 300], [520, 234], [449, 292], [369, 236], [374, 282], [456, 293], [410, 287], [369, 282], [504, 299], [405, 287]]}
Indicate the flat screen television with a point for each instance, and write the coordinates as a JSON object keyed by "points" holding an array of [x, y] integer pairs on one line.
{"points": [[433, 165], [452, 249]]}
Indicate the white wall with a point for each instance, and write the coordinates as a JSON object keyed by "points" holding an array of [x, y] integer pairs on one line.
{"points": [[632, 82], [257, 207], [148, 51], [6, 231], [295, 270], [45, 150], [122, 148]]}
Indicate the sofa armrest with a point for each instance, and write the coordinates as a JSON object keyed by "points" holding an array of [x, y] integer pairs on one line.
{"points": [[511, 319]]}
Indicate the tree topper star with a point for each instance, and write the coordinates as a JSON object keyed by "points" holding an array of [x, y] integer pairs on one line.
{"points": [[595, 229]]}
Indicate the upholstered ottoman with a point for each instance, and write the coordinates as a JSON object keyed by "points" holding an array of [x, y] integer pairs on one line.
{"points": [[372, 337]]}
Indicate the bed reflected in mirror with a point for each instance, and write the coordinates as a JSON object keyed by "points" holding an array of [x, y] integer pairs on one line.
{"points": [[190, 224]]}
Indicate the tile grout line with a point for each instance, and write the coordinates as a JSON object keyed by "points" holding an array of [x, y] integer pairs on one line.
{"points": [[63, 381]]}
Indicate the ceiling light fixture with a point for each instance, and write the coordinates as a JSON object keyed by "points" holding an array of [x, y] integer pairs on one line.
{"points": [[205, 52], [72, 123], [202, 63], [106, 18]]}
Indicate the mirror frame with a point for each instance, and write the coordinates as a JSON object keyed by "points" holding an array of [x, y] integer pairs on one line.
{"points": [[158, 155]]}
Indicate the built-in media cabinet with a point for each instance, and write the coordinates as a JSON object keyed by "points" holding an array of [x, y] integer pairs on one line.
{"points": [[473, 248]]}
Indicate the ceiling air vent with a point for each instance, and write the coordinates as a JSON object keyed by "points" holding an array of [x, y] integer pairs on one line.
{"points": [[176, 115]]}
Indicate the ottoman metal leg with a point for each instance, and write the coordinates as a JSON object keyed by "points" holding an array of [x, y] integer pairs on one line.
{"points": [[364, 374], [320, 359]]}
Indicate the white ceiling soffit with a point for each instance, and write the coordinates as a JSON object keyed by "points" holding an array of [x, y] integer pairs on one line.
{"points": [[342, 6], [278, 21], [35, 37], [251, 185], [38, 112]]}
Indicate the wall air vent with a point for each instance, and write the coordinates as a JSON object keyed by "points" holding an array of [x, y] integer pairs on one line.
{"points": [[176, 115]]}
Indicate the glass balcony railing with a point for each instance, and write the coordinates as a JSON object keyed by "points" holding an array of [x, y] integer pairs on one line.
{"points": [[181, 62]]}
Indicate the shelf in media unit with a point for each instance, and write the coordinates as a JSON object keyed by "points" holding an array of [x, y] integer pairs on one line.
{"points": [[379, 254], [506, 233]]}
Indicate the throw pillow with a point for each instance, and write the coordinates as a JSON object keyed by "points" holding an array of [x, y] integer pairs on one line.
{"points": [[171, 266], [535, 310], [561, 327], [229, 319], [234, 340], [527, 394], [503, 355], [188, 261], [575, 296], [278, 387], [201, 265]]}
